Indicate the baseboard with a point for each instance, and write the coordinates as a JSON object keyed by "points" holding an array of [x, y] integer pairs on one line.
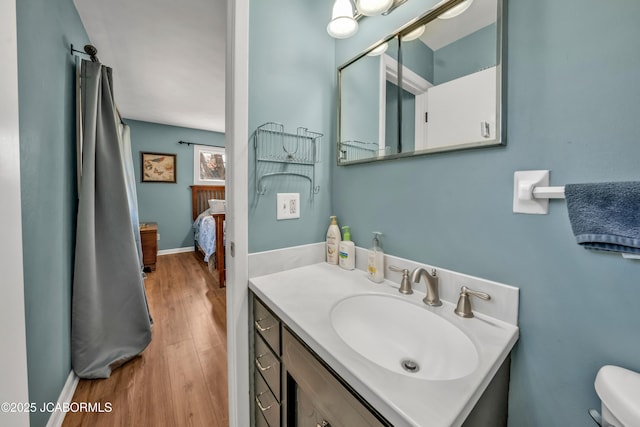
{"points": [[175, 251], [66, 396]]}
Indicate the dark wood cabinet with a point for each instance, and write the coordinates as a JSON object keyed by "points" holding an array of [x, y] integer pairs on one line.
{"points": [[292, 387], [149, 239], [267, 375]]}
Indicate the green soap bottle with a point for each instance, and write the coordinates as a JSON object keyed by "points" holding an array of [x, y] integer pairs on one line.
{"points": [[347, 252]]}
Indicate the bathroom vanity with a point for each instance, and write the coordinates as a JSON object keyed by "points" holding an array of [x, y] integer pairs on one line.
{"points": [[293, 387], [309, 372]]}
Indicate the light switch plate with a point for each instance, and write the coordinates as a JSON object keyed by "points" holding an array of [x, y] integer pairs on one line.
{"points": [[288, 206]]}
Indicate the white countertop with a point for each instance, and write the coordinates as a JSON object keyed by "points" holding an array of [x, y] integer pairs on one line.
{"points": [[303, 299]]}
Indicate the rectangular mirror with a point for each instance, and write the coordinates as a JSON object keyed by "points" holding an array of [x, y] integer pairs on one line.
{"points": [[435, 85]]}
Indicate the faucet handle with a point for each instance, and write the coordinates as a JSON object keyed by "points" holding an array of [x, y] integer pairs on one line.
{"points": [[463, 309], [405, 285], [398, 269], [481, 295]]}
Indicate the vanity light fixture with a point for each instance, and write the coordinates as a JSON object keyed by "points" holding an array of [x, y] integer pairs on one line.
{"points": [[414, 34], [373, 7], [344, 19], [456, 10], [342, 24]]}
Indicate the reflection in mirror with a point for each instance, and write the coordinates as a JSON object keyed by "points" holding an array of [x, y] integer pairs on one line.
{"points": [[369, 128], [437, 87]]}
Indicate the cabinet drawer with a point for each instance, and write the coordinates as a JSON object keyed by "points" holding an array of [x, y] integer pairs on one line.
{"points": [[150, 250], [148, 237], [268, 365], [267, 325], [267, 405]]}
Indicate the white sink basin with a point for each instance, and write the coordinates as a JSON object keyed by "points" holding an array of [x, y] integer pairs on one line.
{"points": [[403, 337]]}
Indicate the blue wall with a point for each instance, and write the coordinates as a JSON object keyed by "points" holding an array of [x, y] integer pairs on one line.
{"points": [[168, 204], [468, 55], [418, 57], [48, 175], [292, 79], [572, 104]]}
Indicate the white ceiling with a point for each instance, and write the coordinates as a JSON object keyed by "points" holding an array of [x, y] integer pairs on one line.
{"points": [[168, 57]]}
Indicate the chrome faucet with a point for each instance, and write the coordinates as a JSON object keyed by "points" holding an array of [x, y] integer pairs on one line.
{"points": [[433, 296]]}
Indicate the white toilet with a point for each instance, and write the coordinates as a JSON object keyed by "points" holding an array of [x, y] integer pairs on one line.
{"points": [[619, 392]]}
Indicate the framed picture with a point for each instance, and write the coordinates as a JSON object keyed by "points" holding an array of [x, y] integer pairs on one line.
{"points": [[209, 165], [158, 167]]}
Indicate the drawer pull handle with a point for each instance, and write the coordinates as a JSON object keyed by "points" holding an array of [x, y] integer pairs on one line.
{"points": [[262, 408], [259, 365], [260, 327]]}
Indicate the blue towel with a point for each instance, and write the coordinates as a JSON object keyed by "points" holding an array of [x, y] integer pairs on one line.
{"points": [[605, 216]]}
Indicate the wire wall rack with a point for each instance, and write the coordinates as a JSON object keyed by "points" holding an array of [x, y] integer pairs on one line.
{"points": [[279, 153], [357, 150]]}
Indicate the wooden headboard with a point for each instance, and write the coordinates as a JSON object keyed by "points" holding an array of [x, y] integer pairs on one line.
{"points": [[200, 195]]}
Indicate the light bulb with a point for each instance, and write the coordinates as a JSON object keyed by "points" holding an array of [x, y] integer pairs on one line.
{"points": [[379, 50], [373, 7], [342, 27], [456, 10], [342, 24], [413, 34]]}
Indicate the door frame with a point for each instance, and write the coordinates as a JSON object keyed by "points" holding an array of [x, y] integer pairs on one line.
{"points": [[13, 358], [237, 148], [413, 83]]}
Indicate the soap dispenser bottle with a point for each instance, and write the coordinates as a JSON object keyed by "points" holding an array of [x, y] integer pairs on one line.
{"points": [[347, 253], [333, 242], [375, 268]]}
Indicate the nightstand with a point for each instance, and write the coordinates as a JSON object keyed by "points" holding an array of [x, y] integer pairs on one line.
{"points": [[149, 240]]}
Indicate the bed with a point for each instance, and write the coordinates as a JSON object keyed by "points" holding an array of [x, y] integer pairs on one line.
{"points": [[208, 227]]}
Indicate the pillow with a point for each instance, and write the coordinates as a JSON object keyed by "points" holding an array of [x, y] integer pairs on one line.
{"points": [[217, 205]]}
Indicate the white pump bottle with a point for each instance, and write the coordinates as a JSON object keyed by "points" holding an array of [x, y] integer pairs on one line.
{"points": [[333, 242]]}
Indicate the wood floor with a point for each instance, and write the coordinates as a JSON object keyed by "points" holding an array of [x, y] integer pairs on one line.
{"points": [[181, 378]]}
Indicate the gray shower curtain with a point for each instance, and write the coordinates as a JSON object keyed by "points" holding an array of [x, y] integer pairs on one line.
{"points": [[130, 180], [110, 319]]}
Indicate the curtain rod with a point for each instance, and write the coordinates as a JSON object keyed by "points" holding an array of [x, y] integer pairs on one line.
{"points": [[89, 50], [195, 143]]}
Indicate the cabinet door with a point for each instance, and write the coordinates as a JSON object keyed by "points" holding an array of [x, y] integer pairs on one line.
{"points": [[323, 397], [308, 415]]}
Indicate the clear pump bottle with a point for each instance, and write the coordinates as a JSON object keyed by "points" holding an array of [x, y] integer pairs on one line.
{"points": [[375, 269]]}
